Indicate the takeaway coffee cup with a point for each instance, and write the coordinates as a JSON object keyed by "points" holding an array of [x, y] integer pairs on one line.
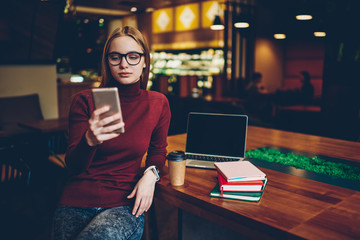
{"points": [[177, 166]]}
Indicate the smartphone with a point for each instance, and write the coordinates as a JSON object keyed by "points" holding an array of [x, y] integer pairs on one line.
{"points": [[108, 97]]}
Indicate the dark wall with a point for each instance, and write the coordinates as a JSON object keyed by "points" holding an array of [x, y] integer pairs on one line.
{"points": [[28, 30], [341, 86]]}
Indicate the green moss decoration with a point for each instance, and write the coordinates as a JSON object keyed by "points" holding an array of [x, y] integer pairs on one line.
{"points": [[314, 164]]}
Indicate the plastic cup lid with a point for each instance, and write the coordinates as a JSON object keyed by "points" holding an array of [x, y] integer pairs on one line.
{"points": [[176, 156]]}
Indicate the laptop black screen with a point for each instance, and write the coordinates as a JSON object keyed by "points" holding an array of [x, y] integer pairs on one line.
{"points": [[216, 134]]}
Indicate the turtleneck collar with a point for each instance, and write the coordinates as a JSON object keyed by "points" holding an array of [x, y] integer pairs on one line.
{"points": [[129, 91]]}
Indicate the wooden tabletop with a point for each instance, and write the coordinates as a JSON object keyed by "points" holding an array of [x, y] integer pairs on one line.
{"points": [[47, 126], [291, 206], [307, 108]]}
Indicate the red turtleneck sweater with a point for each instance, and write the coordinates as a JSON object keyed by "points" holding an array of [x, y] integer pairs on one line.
{"points": [[104, 175]]}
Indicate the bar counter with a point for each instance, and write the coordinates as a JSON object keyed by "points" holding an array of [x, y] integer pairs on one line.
{"points": [[291, 206]]}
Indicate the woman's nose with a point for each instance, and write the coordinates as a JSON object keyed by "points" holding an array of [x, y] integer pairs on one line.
{"points": [[123, 62]]}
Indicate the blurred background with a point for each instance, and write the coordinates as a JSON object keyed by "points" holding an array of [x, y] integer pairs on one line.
{"points": [[53, 48], [290, 65]]}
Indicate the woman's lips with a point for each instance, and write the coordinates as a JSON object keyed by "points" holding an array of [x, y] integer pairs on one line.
{"points": [[125, 74]]}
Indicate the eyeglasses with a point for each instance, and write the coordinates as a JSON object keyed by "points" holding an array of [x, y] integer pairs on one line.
{"points": [[132, 58]]}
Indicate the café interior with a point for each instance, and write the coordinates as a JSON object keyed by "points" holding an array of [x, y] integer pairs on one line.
{"points": [[204, 55]]}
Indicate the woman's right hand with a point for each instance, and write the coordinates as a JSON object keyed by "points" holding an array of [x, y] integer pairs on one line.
{"points": [[99, 130]]}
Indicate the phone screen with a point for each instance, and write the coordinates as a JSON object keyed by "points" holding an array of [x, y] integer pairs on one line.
{"points": [[108, 97]]}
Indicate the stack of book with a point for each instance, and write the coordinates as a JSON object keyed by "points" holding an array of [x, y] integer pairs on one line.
{"points": [[239, 180]]}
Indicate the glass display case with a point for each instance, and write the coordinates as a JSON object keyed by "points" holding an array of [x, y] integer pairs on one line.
{"points": [[184, 72], [191, 63]]}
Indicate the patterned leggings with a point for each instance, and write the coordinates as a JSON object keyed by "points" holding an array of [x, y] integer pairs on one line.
{"points": [[97, 223]]}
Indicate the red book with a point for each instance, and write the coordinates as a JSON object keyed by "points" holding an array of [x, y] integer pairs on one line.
{"points": [[239, 171], [241, 186]]}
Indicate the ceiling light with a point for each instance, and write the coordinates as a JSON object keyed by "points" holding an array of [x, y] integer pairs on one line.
{"points": [[133, 9], [150, 9], [242, 21], [279, 36], [319, 34], [241, 25], [217, 24], [303, 17], [99, 11]]}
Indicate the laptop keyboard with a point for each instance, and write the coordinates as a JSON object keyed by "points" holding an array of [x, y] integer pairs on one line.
{"points": [[211, 158]]}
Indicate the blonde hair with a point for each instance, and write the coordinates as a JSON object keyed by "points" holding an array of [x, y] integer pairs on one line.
{"points": [[106, 79]]}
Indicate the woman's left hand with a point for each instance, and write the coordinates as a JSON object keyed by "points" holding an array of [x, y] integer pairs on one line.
{"points": [[144, 192]]}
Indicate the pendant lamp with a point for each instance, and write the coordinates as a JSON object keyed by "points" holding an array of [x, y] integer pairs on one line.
{"points": [[217, 24]]}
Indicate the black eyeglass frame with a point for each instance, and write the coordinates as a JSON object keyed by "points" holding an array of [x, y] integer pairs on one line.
{"points": [[123, 55]]}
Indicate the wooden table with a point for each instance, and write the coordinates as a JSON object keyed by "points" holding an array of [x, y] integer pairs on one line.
{"points": [[291, 206], [47, 126], [306, 108], [311, 109], [54, 132]]}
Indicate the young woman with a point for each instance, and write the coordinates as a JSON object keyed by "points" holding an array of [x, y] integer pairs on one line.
{"points": [[106, 194]]}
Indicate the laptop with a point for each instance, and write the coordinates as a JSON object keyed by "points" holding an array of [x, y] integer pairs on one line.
{"points": [[215, 137]]}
